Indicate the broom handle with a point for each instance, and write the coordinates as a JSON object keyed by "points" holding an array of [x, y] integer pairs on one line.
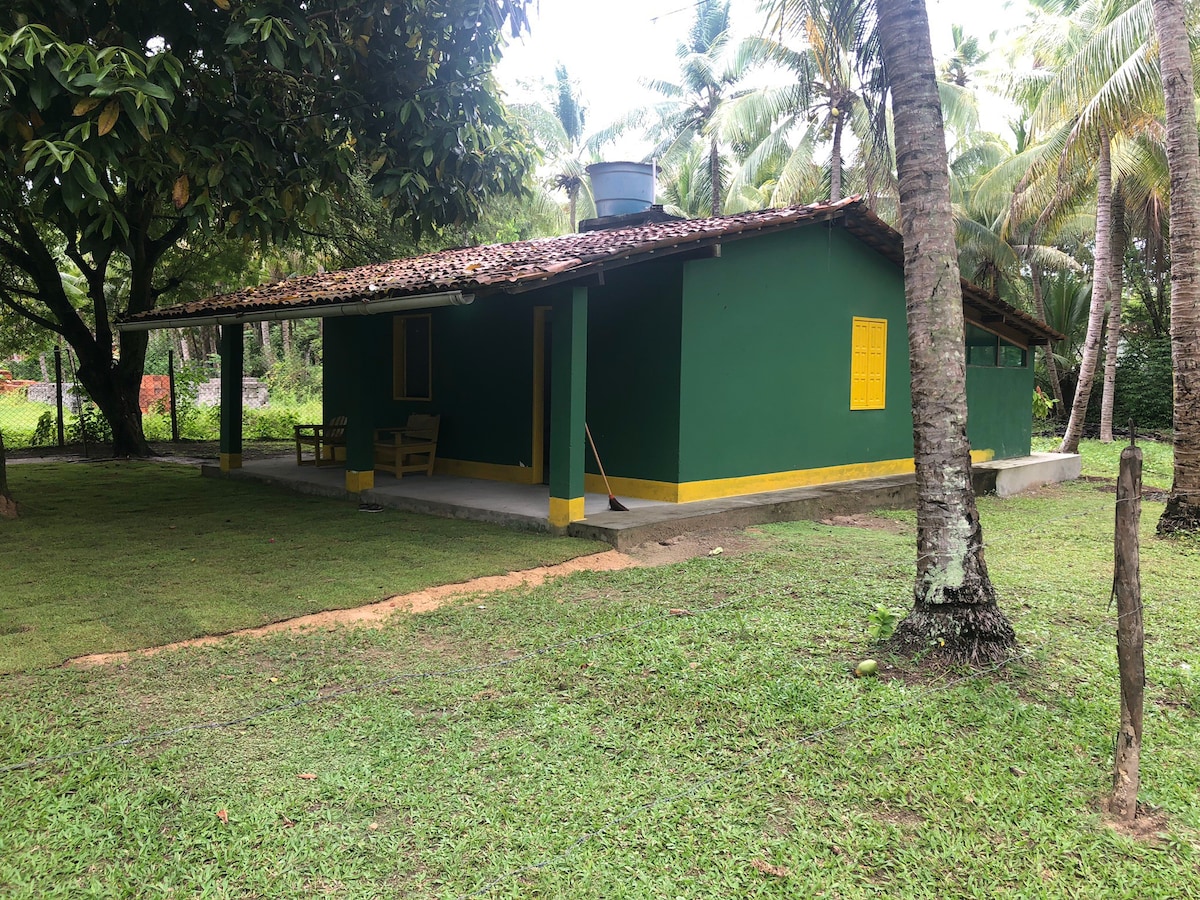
{"points": [[597, 455]]}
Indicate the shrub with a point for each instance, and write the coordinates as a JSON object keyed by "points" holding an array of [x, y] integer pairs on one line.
{"points": [[1143, 389], [45, 433], [89, 426]]}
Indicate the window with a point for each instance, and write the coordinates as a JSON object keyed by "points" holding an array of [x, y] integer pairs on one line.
{"points": [[411, 358], [981, 346], [1011, 355], [987, 349], [868, 363]]}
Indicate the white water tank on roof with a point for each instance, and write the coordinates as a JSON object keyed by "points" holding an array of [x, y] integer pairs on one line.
{"points": [[621, 188]]}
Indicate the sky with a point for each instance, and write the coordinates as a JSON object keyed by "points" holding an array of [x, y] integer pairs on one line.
{"points": [[609, 46]]}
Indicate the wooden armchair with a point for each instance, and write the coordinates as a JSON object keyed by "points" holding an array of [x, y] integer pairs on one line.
{"points": [[322, 441], [412, 448]]}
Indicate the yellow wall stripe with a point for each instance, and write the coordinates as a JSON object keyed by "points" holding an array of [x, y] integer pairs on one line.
{"points": [[230, 461], [713, 489], [465, 468]]}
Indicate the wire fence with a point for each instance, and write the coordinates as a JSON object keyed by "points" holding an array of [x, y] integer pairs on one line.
{"points": [[43, 403]]}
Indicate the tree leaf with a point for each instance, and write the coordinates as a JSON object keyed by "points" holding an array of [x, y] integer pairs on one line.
{"points": [[108, 117], [222, 5], [85, 106], [179, 193]]}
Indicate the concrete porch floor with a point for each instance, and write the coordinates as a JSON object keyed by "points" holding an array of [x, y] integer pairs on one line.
{"points": [[526, 506]]}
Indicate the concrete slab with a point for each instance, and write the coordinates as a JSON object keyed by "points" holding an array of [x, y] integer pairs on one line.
{"points": [[1006, 477], [527, 506], [512, 505]]}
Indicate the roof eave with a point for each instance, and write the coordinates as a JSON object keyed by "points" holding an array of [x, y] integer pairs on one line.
{"points": [[316, 311]]}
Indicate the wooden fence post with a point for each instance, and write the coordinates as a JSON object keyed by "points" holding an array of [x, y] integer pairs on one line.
{"points": [[1127, 588]]}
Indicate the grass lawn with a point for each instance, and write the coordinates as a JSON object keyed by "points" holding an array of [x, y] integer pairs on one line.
{"points": [[119, 555], [643, 753]]}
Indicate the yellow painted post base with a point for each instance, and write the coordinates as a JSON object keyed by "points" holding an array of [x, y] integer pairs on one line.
{"points": [[357, 482], [230, 461], [564, 512]]}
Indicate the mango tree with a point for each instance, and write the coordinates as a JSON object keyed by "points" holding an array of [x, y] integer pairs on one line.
{"points": [[125, 127]]}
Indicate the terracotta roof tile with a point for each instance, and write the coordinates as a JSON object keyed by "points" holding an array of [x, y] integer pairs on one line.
{"points": [[525, 265]]}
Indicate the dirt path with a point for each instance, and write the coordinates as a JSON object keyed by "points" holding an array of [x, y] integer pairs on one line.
{"points": [[376, 614]]}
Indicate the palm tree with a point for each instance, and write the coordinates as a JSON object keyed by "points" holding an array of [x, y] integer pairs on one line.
{"points": [[1102, 86], [558, 127], [832, 74], [684, 184], [688, 106], [1175, 60]]}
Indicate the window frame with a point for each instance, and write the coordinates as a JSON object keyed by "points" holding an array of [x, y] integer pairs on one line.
{"points": [[400, 348]]}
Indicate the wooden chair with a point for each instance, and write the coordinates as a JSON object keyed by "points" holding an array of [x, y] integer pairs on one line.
{"points": [[412, 448], [324, 441]]}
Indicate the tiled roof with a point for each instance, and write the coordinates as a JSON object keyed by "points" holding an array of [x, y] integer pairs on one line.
{"points": [[526, 265]]}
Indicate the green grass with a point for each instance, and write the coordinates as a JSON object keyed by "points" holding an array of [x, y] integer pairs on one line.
{"points": [[19, 418], [118, 555], [1102, 460], [642, 754]]}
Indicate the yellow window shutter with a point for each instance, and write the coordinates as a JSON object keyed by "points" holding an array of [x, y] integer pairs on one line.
{"points": [[868, 363]]}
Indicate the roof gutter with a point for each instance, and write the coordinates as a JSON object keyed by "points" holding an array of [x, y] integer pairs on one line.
{"points": [[335, 310]]}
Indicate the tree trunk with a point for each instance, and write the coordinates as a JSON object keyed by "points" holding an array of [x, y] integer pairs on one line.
{"points": [[268, 352], [285, 332], [44, 367], [1100, 282], [8, 506], [1183, 157], [835, 159], [1116, 303], [955, 616], [573, 206], [1039, 306], [714, 170], [116, 388]]}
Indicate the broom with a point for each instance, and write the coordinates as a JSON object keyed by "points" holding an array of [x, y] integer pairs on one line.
{"points": [[613, 503]]}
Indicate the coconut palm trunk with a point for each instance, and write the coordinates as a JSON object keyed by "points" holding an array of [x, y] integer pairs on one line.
{"points": [[714, 168], [955, 615], [1039, 306], [1116, 304], [1100, 281], [835, 158], [1183, 157]]}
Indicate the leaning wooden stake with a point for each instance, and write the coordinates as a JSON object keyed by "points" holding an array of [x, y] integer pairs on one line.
{"points": [[8, 506], [1127, 588]]}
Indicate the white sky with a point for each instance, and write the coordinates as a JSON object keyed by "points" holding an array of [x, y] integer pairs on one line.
{"points": [[609, 46]]}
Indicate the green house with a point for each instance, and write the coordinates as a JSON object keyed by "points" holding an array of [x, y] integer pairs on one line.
{"points": [[709, 358]]}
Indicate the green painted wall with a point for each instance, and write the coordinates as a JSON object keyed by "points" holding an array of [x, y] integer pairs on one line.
{"points": [[766, 357], [633, 371], [1000, 408], [714, 368], [482, 377]]}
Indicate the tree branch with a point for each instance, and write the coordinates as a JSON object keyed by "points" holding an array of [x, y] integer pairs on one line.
{"points": [[22, 310], [73, 254], [156, 247], [172, 283]]}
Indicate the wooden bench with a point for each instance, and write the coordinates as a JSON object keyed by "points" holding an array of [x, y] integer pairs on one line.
{"points": [[411, 448], [324, 441]]}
